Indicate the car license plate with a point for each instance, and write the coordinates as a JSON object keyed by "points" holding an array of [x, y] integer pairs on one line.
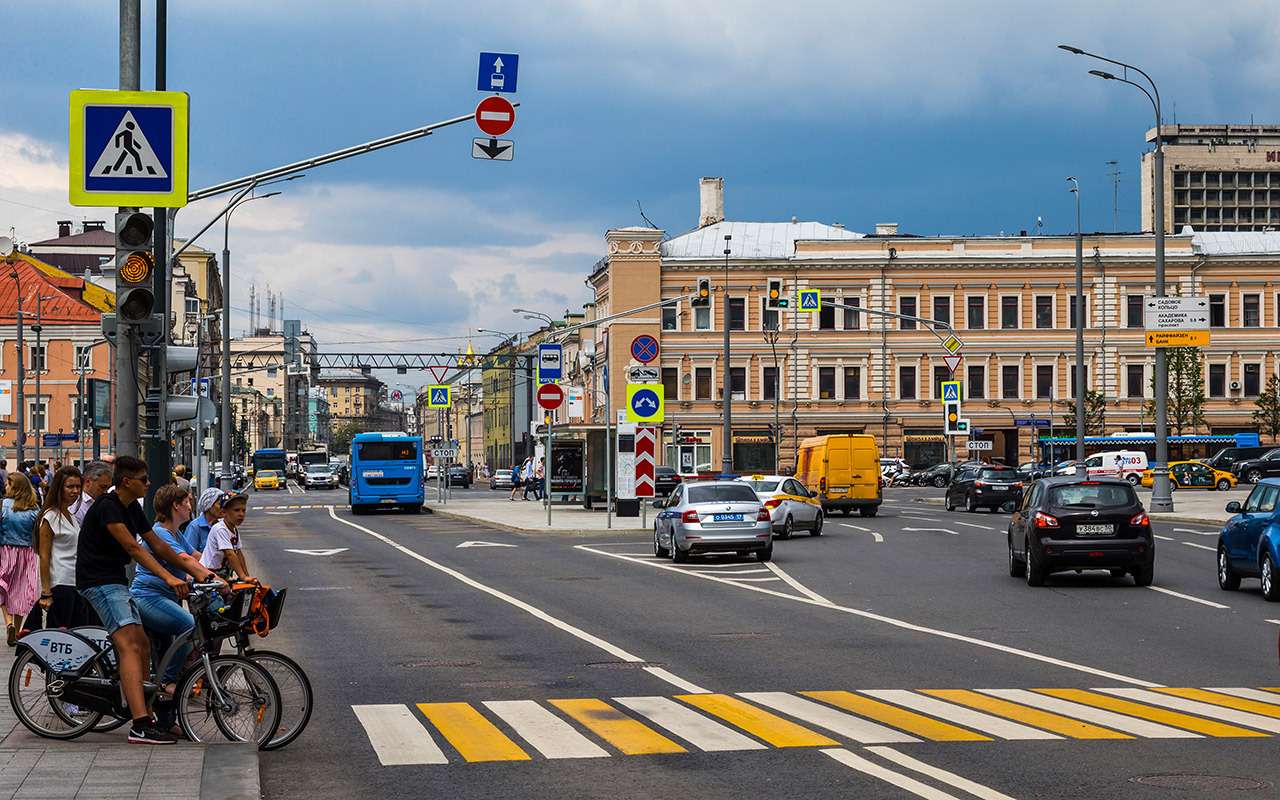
{"points": [[387, 500], [1094, 530], [839, 489], [726, 518], [372, 473]]}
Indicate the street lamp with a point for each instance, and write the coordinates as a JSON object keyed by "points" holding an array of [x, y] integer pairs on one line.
{"points": [[534, 315], [1079, 325], [1161, 494]]}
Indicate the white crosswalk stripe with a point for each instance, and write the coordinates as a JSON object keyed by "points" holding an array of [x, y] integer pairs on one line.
{"points": [[1098, 716], [1252, 694], [856, 728], [398, 737], [548, 734], [689, 725], [1195, 707], [960, 715]]}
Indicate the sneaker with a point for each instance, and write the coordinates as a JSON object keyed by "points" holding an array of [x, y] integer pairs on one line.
{"points": [[149, 734]]}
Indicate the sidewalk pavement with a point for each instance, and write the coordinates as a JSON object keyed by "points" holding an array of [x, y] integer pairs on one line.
{"points": [[104, 766], [1195, 506], [528, 516]]}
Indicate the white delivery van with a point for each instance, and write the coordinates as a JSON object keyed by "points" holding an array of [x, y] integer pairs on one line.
{"points": [[1126, 464]]}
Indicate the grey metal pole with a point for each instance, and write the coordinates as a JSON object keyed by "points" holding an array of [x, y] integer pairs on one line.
{"points": [[726, 391], [608, 434], [20, 438], [224, 421], [81, 432], [1161, 493], [125, 409], [156, 448], [1079, 321], [546, 468], [39, 368]]}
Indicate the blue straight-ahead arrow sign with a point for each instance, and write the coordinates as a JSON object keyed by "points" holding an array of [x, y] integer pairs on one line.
{"points": [[498, 72]]}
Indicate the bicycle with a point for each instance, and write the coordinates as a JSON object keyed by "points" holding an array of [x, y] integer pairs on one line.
{"points": [[62, 684]]}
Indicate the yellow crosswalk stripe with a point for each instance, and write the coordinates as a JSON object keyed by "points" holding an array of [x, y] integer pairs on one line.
{"points": [[631, 737], [1174, 718], [473, 736], [900, 718], [1026, 714], [1238, 703], [1275, 689], [756, 721]]}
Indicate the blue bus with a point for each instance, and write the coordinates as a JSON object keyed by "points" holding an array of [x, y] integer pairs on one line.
{"points": [[386, 470], [269, 458]]}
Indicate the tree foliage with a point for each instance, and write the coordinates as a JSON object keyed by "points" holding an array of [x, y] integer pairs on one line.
{"points": [[1186, 396], [340, 439], [1267, 414], [1095, 413]]}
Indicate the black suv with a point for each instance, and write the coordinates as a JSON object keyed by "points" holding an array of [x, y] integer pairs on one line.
{"points": [[1074, 523], [665, 480], [1253, 470], [1227, 458], [983, 487], [459, 475]]}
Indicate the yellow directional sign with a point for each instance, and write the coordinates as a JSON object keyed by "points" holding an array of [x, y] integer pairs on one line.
{"points": [[952, 344], [645, 402], [1177, 338]]}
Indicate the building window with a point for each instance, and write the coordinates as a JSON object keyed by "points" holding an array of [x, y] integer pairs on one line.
{"points": [[1252, 380], [852, 383], [907, 307], [738, 383], [193, 305], [702, 383], [976, 312], [1217, 311], [36, 360], [1217, 380], [907, 383], [1009, 312], [827, 318], [770, 387], [1074, 373], [940, 375], [1133, 311], [1071, 312], [942, 308], [36, 412], [1044, 381], [702, 318], [1251, 310], [1010, 381], [84, 357], [737, 314], [669, 317], [671, 383], [271, 372], [768, 316], [852, 319], [1044, 311], [977, 382], [826, 383], [1134, 375]]}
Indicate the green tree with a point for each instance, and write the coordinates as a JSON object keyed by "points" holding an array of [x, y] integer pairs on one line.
{"points": [[1186, 397], [340, 439], [1095, 413], [1267, 414]]}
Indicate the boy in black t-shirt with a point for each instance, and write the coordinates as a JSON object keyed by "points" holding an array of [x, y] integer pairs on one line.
{"points": [[108, 541]]}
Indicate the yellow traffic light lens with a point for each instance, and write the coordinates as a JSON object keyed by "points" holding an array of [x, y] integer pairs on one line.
{"points": [[952, 417], [703, 292], [136, 268], [773, 294]]}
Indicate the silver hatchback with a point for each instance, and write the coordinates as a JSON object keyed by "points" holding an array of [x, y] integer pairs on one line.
{"points": [[712, 517]]}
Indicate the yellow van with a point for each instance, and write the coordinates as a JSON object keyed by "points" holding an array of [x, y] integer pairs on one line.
{"points": [[844, 470]]}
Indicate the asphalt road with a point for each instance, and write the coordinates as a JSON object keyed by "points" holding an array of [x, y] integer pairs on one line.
{"points": [[580, 666]]}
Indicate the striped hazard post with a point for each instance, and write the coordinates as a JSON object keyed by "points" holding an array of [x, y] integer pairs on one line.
{"points": [[646, 445]]}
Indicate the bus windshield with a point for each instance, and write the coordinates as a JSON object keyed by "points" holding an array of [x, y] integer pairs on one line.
{"points": [[268, 459]]}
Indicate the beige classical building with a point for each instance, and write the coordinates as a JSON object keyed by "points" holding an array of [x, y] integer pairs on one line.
{"points": [[353, 397], [1216, 178], [1009, 300]]}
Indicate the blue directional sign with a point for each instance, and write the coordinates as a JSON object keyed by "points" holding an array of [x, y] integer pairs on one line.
{"points": [[951, 391], [128, 148], [498, 72], [550, 363], [644, 402], [810, 300]]}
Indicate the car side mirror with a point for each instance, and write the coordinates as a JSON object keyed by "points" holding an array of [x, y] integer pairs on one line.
{"points": [[1233, 507], [813, 493], [658, 503]]}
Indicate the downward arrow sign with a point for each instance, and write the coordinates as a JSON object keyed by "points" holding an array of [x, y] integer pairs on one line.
{"points": [[493, 149]]}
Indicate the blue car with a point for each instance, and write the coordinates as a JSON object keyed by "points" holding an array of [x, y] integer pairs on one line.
{"points": [[1249, 544]]}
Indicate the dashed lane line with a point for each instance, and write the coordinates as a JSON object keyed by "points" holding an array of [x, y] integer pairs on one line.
{"points": [[931, 530], [1182, 596], [1197, 533], [1165, 538], [878, 537], [1201, 546], [972, 525]]}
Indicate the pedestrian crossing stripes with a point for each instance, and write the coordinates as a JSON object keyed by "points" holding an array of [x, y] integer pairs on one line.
{"points": [[572, 728]]}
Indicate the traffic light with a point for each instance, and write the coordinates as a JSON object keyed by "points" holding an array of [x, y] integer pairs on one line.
{"points": [[178, 408], [774, 298], [135, 266], [702, 297], [955, 424]]}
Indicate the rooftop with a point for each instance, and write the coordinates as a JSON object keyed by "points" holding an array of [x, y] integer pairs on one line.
{"points": [[750, 239]]}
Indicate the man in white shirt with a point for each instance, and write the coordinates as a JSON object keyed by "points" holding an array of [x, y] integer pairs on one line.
{"points": [[97, 479]]}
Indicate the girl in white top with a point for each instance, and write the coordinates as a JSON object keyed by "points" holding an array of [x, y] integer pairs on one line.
{"points": [[58, 533]]}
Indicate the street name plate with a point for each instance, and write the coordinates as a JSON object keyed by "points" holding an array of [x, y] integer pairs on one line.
{"points": [[1175, 313]]}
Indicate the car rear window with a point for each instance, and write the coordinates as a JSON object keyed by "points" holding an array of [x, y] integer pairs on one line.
{"points": [[1092, 495], [999, 475], [721, 493], [763, 486]]}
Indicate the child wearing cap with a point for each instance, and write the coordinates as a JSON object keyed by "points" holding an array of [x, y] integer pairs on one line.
{"points": [[222, 551]]}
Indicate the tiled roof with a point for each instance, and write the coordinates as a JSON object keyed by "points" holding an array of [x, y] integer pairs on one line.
{"points": [[750, 239], [63, 293]]}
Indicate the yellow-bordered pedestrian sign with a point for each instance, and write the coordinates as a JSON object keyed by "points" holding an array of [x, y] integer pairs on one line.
{"points": [[128, 148], [950, 391], [810, 300], [439, 396], [644, 402]]}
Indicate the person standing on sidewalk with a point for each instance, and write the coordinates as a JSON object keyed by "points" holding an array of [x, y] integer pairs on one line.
{"points": [[526, 472], [57, 534], [96, 480], [19, 572], [515, 481]]}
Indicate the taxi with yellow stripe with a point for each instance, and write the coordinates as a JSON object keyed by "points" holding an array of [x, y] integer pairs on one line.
{"points": [[790, 504], [1193, 475]]}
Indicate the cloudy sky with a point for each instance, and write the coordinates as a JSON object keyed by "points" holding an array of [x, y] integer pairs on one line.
{"points": [[945, 117]]}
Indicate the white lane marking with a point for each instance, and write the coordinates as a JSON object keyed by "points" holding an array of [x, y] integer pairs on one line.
{"points": [[572, 630], [1109, 719], [897, 623], [887, 775], [1252, 694], [1166, 538], [676, 680], [549, 735], [689, 725], [795, 584], [754, 580], [1201, 546], [1194, 707], [940, 775], [972, 525], [877, 536], [281, 513], [332, 551], [934, 530], [1273, 621], [856, 728], [922, 519], [1182, 596], [397, 737], [289, 486], [960, 715], [741, 571], [485, 544], [1197, 533]]}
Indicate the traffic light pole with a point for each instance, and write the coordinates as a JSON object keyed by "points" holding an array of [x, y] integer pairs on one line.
{"points": [[125, 413], [156, 450]]}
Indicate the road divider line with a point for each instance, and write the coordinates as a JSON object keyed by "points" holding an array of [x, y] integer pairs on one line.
{"points": [[877, 536], [887, 775], [1195, 533], [931, 530], [1182, 596], [959, 714], [856, 728], [572, 630], [754, 580], [940, 775], [701, 732], [972, 525], [795, 584], [857, 612], [1165, 538], [398, 738]]}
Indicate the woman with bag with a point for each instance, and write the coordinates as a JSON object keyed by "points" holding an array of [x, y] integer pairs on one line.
{"points": [[57, 536], [19, 576]]}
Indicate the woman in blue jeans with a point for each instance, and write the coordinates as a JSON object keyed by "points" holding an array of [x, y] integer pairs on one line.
{"points": [[157, 604]]}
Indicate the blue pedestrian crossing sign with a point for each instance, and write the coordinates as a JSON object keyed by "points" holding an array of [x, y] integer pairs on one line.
{"points": [[498, 72], [439, 396], [951, 391], [644, 402], [128, 148], [810, 299]]}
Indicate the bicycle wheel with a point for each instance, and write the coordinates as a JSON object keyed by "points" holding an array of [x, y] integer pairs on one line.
{"points": [[295, 695], [253, 711], [38, 712]]}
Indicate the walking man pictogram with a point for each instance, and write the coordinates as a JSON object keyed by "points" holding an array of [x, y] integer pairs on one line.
{"points": [[125, 144]]}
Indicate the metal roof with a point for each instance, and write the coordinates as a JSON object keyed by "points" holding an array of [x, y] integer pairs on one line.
{"points": [[750, 239], [1236, 243]]}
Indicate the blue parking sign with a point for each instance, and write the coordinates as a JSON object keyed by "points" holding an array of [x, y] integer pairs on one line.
{"points": [[498, 72]]}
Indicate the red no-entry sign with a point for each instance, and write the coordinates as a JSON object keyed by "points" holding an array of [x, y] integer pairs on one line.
{"points": [[495, 115], [550, 396]]}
